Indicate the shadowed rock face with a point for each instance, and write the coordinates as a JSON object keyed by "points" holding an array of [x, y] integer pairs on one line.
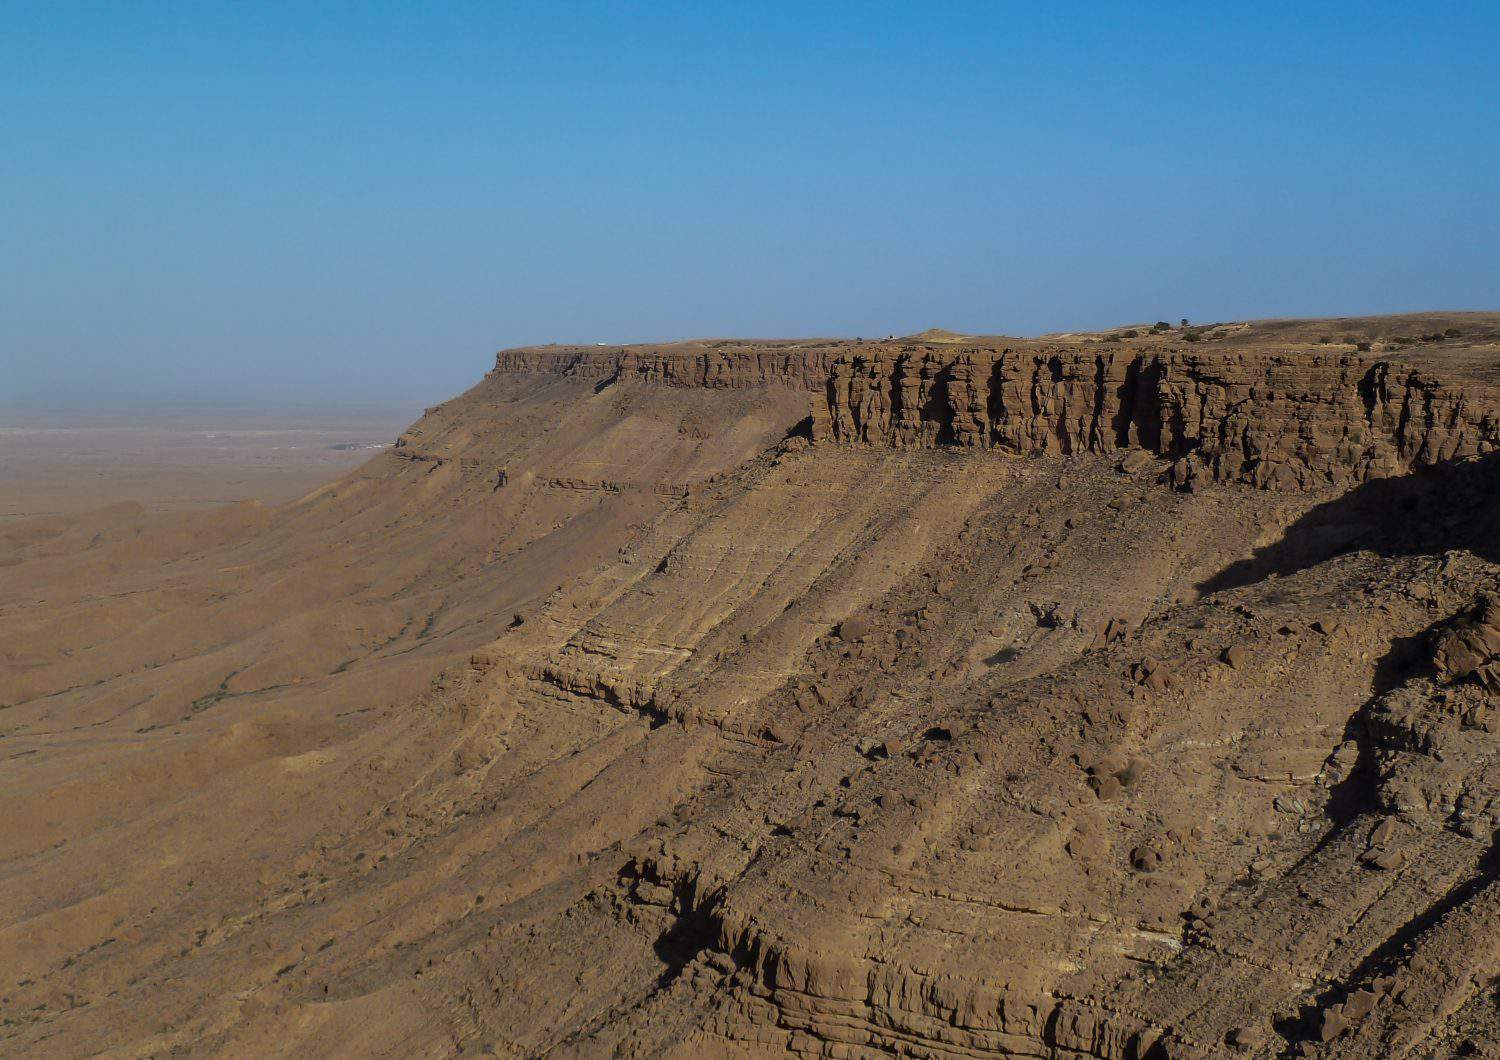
{"points": [[843, 699]]}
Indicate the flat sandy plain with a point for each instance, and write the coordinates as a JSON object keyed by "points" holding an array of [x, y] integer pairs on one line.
{"points": [[61, 465]]}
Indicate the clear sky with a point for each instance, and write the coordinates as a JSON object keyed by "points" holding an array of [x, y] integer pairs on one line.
{"points": [[358, 203]]}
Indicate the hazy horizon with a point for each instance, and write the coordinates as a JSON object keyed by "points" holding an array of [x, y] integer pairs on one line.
{"points": [[352, 208], [214, 411]]}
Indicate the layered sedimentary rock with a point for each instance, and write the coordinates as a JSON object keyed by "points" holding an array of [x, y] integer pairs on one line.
{"points": [[1273, 420], [1281, 420], [802, 367], [611, 715]]}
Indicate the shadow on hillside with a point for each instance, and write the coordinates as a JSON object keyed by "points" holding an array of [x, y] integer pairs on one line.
{"points": [[1433, 510], [1389, 955]]}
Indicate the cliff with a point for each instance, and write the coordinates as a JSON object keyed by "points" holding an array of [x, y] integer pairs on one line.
{"points": [[1281, 420], [713, 366]]}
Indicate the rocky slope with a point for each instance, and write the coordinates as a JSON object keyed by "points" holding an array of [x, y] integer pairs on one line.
{"points": [[932, 697]]}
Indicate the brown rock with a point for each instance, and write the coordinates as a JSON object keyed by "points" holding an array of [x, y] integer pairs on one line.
{"points": [[1332, 1024], [1244, 1039], [1360, 1004], [1383, 832], [1384, 859], [1146, 858], [1470, 642]]}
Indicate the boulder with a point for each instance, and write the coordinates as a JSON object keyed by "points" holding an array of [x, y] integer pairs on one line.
{"points": [[1470, 642]]}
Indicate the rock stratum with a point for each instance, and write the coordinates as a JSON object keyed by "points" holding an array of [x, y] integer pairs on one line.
{"points": [[1272, 419], [1116, 695]]}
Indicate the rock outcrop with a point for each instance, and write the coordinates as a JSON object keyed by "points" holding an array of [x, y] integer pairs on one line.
{"points": [[1293, 420], [1471, 643], [1285, 421], [718, 366]]}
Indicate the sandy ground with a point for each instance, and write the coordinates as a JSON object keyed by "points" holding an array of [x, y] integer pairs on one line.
{"points": [[74, 467]]}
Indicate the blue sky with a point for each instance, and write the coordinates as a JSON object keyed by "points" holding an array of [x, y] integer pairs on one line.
{"points": [[356, 204]]}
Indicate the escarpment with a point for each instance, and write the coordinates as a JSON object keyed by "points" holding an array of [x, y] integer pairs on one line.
{"points": [[1272, 420], [833, 699], [728, 365], [1281, 420]]}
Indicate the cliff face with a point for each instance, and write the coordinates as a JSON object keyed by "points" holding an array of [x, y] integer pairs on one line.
{"points": [[1292, 420], [1273, 420], [731, 367]]}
